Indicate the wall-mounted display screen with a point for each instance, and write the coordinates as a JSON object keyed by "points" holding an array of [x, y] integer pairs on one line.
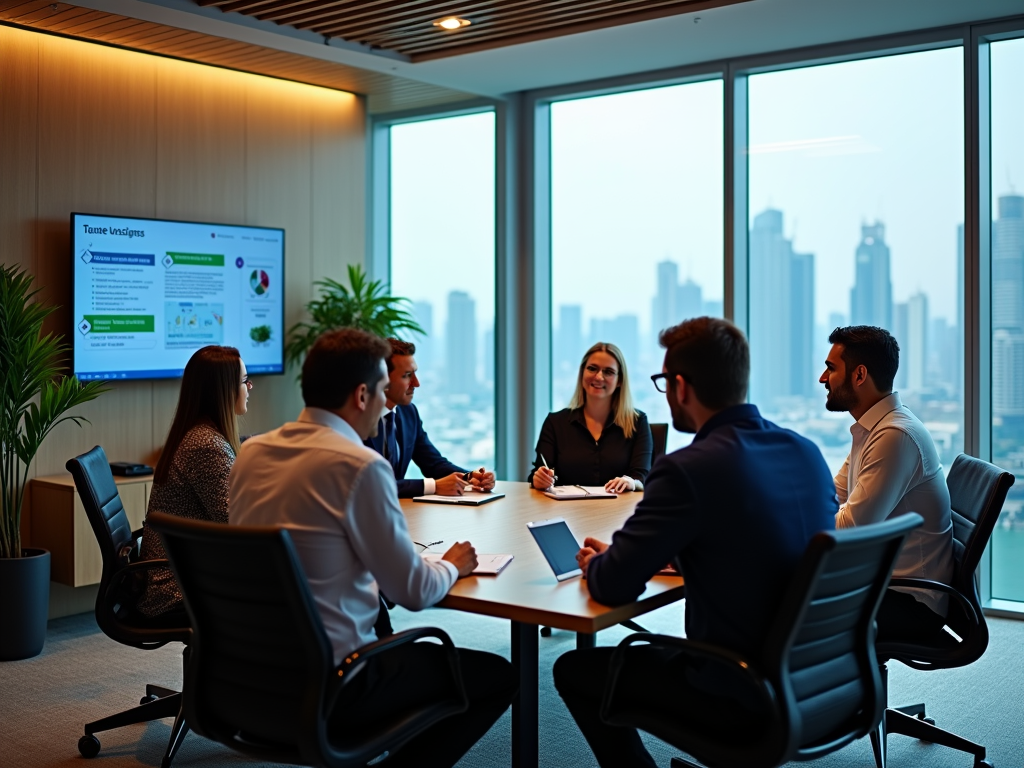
{"points": [[147, 293]]}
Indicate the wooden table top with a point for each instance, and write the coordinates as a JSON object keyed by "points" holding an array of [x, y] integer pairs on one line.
{"points": [[527, 590]]}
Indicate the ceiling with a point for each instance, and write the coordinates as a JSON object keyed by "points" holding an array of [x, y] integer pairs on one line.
{"points": [[742, 29], [409, 28]]}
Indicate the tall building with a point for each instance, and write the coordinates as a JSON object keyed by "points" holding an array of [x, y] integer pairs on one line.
{"points": [[460, 343], [871, 296], [901, 330], [781, 313], [915, 346], [1008, 309], [426, 354], [689, 302], [663, 305], [622, 331], [568, 340]]}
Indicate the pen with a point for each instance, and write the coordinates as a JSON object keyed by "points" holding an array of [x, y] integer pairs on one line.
{"points": [[554, 477]]}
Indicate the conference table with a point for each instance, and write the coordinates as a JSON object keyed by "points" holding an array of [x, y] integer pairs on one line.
{"points": [[526, 591]]}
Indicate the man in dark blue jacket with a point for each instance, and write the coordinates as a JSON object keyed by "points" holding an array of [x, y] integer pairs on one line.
{"points": [[735, 511], [402, 440]]}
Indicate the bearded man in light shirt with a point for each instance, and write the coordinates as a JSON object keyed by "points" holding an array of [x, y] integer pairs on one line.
{"points": [[893, 468], [339, 502]]}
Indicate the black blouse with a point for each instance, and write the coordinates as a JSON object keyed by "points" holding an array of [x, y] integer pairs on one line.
{"points": [[578, 459]]}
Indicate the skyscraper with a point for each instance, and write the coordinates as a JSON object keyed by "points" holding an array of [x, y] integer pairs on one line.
{"points": [[622, 331], [901, 330], [915, 346], [689, 302], [1008, 313], [663, 305], [426, 358], [871, 296], [460, 343], [569, 338], [781, 313]]}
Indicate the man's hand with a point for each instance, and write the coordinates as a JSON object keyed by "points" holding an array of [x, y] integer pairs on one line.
{"points": [[591, 547], [463, 556], [482, 480], [543, 478], [453, 485], [622, 484]]}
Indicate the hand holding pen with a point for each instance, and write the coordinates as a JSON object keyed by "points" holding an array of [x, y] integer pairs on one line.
{"points": [[544, 477], [481, 480]]}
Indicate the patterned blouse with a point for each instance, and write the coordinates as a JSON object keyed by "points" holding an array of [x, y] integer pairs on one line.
{"points": [[197, 489]]}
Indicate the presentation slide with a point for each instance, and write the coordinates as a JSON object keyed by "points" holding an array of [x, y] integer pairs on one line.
{"points": [[148, 293]]}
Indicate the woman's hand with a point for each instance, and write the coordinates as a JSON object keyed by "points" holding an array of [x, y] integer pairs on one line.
{"points": [[543, 478], [622, 484]]}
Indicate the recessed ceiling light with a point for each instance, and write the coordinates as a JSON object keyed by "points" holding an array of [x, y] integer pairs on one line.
{"points": [[452, 22]]}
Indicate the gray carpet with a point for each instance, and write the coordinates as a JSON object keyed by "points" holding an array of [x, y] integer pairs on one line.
{"points": [[81, 675]]}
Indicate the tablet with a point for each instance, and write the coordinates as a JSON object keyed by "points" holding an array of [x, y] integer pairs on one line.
{"points": [[558, 545]]}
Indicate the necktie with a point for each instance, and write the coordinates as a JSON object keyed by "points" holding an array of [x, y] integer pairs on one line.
{"points": [[390, 439]]}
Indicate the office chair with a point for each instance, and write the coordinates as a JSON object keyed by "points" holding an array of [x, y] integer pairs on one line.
{"points": [[817, 681], [977, 491], [659, 432], [261, 678], [115, 612]]}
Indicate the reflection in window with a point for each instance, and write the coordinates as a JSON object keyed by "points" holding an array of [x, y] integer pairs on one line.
{"points": [[442, 258], [1007, 61], [856, 208], [636, 222]]}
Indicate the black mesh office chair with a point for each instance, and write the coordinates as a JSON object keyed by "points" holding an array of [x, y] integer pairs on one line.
{"points": [[261, 678], [659, 432], [115, 613], [817, 681], [977, 491]]}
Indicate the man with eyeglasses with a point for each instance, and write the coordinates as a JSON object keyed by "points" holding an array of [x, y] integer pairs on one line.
{"points": [[402, 440], [734, 511]]}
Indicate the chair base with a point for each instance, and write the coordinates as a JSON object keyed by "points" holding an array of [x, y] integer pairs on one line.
{"points": [[681, 762], [912, 721]]}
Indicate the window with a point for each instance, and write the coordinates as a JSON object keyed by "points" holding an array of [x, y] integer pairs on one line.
{"points": [[1007, 205], [636, 228], [856, 201], [442, 241]]}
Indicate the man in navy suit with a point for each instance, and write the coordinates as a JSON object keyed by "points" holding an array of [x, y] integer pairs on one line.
{"points": [[735, 511], [401, 438]]}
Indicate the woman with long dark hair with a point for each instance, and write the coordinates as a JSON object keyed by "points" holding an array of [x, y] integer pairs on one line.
{"points": [[191, 478]]}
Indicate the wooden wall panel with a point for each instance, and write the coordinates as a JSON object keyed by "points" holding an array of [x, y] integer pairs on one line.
{"points": [[19, 85]]}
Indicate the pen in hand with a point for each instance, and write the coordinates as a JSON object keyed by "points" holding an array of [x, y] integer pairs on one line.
{"points": [[554, 477]]}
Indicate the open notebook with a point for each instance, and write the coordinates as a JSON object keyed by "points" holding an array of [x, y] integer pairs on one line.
{"points": [[565, 492], [487, 565], [469, 498]]}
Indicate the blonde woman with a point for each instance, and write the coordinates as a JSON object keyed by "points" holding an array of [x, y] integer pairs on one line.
{"points": [[600, 439]]}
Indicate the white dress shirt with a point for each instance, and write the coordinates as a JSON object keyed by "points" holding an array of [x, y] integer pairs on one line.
{"points": [[339, 501], [893, 468]]}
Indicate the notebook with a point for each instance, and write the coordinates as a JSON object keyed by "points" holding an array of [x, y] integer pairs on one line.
{"points": [[565, 492], [469, 498], [487, 565]]}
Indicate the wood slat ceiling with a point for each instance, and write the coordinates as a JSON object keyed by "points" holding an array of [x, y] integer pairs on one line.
{"points": [[385, 93], [407, 26]]}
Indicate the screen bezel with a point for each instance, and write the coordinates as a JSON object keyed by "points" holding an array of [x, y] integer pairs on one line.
{"points": [[554, 521], [147, 377]]}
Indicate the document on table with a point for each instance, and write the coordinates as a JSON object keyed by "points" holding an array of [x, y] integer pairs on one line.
{"points": [[487, 565], [565, 492], [469, 498]]}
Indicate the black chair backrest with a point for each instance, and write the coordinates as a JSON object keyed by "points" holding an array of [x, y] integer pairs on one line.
{"points": [[820, 655], [260, 659], [659, 432], [977, 490]]}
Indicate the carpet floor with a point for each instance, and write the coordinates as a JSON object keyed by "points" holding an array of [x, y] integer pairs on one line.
{"points": [[82, 676]]}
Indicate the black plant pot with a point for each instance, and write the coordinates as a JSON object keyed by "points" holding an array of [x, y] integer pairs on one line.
{"points": [[24, 604]]}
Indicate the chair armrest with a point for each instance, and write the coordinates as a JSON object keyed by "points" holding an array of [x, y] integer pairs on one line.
{"points": [[938, 586], [697, 650], [355, 662]]}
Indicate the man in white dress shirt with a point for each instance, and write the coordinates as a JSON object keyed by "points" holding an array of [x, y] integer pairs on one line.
{"points": [[339, 502], [893, 468]]}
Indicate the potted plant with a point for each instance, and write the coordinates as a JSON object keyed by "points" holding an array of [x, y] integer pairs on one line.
{"points": [[365, 305], [34, 398]]}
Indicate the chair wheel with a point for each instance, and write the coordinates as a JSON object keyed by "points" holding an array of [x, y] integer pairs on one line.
{"points": [[929, 720], [545, 631], [89, 745], [148, 698], [984, 764]]}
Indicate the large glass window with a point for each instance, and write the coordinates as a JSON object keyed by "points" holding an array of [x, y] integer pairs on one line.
{"points": [[856, 201], [636, 228], [442, 240], [1007, 173]]}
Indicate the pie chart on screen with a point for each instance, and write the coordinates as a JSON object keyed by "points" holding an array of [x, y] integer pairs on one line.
{"points": [[259, 281]]}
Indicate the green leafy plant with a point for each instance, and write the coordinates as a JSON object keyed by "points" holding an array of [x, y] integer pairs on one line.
{"points": [[260, 333], [365, 305], [34, 394]]}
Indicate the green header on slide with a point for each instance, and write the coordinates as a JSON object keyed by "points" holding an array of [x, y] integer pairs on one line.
{"points": [[198, 259], [121, 323]]}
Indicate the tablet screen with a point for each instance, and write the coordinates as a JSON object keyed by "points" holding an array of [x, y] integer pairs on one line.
{"points": [[558, 545]]}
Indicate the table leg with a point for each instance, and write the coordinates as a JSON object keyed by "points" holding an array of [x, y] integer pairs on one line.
{"points": [[585, 640], [525, 718]]}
